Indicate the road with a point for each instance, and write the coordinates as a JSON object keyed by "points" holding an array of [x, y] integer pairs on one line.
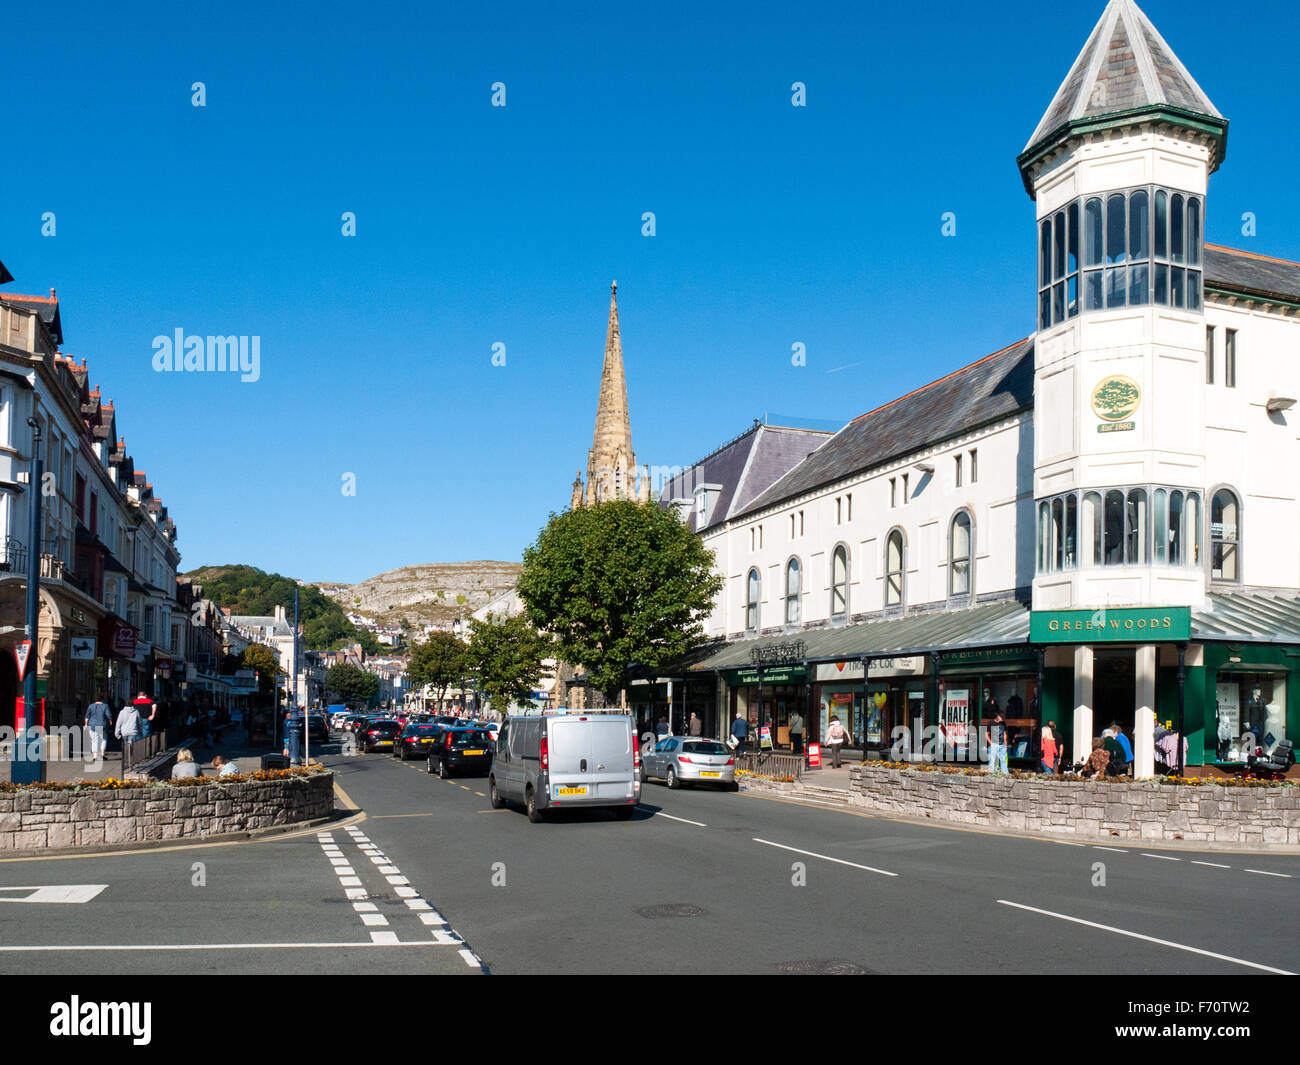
{"points": [[432, 880]]}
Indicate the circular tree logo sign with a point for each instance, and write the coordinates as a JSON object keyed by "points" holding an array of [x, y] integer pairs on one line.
{"points": [[1114, 400]]}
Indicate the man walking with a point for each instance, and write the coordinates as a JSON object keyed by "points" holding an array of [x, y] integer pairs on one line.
{"points": [[796, 732], [739, 732], [127, 730], [146, 709], [99, 716], [696, 726], [997, 731]]}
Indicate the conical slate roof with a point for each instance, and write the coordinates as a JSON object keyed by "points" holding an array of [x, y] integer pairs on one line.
{"points": [[1125, 67]]}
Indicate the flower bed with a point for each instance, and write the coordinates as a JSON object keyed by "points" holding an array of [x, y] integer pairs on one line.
{"points": [[99, 813]]}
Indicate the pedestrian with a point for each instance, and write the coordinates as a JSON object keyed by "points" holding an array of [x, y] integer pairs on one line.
{"points": [[145, 707], [740, 732], [127, 728], [836, 736], [224, 767], [696, 727], [1125, 746], [185, 765], [997, 741], [1116, 750], [1098, 761], [661, 727], [1060, 746], [1049, 749], [796, 732], [99, 716]]}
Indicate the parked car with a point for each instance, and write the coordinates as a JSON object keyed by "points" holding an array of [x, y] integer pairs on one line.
{"points": [[681, 760], [461, 750], [415, 740], [317, 731], [558, 761], [378, 734]]}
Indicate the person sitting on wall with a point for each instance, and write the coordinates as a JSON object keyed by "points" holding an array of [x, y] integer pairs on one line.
{"points": [[1123, 741], [1098, 761], [1116, 751], [185, 765]]}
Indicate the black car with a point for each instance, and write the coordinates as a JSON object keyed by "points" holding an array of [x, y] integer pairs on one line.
{"points": [[462, 750], [318, 731], [378, 734], [415, 740]]}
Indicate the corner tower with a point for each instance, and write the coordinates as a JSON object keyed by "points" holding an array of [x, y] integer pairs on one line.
{"points": [[1119, 167]]}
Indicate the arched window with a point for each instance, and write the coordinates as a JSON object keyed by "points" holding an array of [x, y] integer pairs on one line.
{"points": [[840, 582], [894, 568], [959, 555], [792, 592], [751, 601], [1225, 537]]}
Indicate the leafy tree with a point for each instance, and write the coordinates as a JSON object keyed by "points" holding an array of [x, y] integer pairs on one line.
{"points": [[619, 583], [506, 653], [440, 661], [351, 684], [263, 659]]}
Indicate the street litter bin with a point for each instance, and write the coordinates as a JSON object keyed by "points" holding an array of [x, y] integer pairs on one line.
{"points": [[275, 761]]}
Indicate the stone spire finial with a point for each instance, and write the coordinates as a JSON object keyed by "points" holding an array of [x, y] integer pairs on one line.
{"points": [[611, 446]]}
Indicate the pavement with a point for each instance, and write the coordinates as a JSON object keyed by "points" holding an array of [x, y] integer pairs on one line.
{"points": [[234, 745]]}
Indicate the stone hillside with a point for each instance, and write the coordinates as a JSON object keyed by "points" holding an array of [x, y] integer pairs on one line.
{"points": [[434, 592]]}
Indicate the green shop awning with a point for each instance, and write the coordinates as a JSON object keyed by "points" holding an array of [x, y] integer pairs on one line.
{"points": [[990, 625]]}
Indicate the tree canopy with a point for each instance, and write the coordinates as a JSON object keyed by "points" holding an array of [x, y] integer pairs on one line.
{"points": [[506, 655], [440, 661], [619, 583], [351, 684]]}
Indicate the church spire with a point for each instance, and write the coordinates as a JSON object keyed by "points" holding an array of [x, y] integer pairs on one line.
{"points": [[611, 463]]}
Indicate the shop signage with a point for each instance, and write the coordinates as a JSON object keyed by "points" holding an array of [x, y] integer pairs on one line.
{"points": [[244, 682], [989, 656], [741, 678], [118, 637], [765, 737], [778, 653], [880, 667], [814, 755], [1114, 400], [82, 649], [1129, 625]]}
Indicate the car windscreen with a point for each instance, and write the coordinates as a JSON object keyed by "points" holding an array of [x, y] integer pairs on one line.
{"points": [[421, 730], [701, 747]]}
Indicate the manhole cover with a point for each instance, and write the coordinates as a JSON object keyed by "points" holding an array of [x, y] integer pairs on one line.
{"points": [[671, 909], [822, 967]]}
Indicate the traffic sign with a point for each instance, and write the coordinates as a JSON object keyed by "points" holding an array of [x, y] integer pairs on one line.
{"points": [[22, 652]]}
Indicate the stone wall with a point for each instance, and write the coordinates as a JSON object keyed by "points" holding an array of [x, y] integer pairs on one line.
{"points": [[38, 820], [1086, 809]]}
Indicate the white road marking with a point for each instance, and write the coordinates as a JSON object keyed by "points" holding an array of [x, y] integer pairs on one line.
{"points": [[388, 870], [364, 907], [446, 939], [432, 918], [345, 870], [1265, 872], [374, 920], [1162, 857], [824, 857], [470, 958], [1117, 850], [227, 946], [53, 893], [697, 824], [418, 904], [357, 893], [350, 881], [1148, 939], [383, 937], [397, 880], [1213, 865], [1067, 843], [339, 861]]}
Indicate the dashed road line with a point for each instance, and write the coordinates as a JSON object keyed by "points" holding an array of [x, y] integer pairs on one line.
{"points": [[1265, 872], [1212, 865], [1148, 939], [697, 824], [824, 857], [1117, 850], [1162, 857]]}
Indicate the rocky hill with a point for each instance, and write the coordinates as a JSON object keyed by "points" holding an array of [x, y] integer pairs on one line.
{"points": [[429, 593]]}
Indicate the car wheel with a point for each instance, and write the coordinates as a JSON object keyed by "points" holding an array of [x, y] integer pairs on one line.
{"points": [[671, 778], [734, 786], [497, 801], [429, 766], [535, 815], [442, 769]]}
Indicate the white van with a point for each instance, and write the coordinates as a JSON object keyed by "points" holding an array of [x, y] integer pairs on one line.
{"points": [[557, 761]]}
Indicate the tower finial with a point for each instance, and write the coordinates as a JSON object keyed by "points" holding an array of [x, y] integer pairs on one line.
{"points": [[613, 286]]}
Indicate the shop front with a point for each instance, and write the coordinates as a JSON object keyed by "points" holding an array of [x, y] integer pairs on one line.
{"points": [[974, 687], [769, 696], [893, 697]]}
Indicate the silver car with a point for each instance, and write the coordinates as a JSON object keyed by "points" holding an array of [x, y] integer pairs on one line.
{"points": [[687, 760]]}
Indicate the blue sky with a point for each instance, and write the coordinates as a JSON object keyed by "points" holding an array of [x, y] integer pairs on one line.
{"points": [[476, 225]]}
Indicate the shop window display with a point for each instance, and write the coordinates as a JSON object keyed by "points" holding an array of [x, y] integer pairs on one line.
{"points": [[1250, 710]]}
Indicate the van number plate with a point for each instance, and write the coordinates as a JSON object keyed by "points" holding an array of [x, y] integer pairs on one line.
{"points": [[570, 791]]}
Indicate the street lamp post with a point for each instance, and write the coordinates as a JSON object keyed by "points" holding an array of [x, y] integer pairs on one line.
{"points": [[29, 764]]}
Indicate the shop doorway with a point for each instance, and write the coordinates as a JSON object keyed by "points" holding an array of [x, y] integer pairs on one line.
{"points": [[1114, 689]]}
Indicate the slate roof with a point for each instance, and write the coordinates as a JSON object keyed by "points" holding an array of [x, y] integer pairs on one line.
{"points": [[995, 387], [45, 306], [1125, 65], [1249, 617], [1251, 274], [743, 467]]}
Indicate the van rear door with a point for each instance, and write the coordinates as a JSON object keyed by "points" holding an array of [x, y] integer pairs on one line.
{"points": [[591, 760]]}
